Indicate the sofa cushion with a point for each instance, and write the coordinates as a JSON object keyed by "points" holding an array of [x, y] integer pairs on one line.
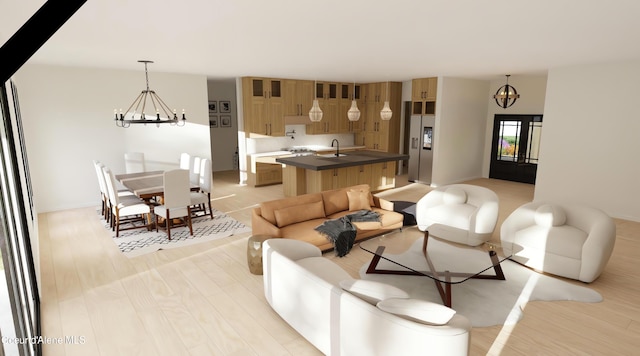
{"points": [[299, 213], [421, 311], [454, 195], [372, 292], [305, 231], [387, 218], [267, 209], [359, 200], [325, 269], [335, 201], [550, 215]]}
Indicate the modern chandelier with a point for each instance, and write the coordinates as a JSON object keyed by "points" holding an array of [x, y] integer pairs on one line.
{"points": [[315, 114], [506, 95], [163, 114], [386, 113], [354, 113]]}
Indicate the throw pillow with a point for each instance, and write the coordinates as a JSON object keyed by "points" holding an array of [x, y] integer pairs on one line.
{"points": [[370, 291], [358, 200], [420, 311], [299, 213], [454, 195], [550, 215]]}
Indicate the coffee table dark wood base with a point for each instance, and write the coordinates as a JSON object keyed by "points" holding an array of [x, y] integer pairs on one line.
{"points": [[444, 287]]}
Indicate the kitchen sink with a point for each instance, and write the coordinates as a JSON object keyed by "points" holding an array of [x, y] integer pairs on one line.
{"points": [[331, 155]]}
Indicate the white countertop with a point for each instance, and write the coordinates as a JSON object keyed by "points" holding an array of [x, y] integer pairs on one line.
{"points": [[311, 147]]}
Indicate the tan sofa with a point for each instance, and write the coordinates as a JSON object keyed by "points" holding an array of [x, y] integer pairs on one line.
{"points": [[297, 217]]}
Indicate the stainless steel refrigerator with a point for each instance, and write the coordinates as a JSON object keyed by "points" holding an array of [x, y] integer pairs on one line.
{"points": [[421, 148]]}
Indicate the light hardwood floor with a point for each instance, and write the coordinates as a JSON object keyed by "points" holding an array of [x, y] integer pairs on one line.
{"points": [[202, 300]]}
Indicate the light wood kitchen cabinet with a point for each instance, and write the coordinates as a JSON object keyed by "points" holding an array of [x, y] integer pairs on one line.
{"points": [[298, 97], [378, 134], [327, 95], [383, 175], [347, 93], [263, 106], [423, 96], [268, 174]]}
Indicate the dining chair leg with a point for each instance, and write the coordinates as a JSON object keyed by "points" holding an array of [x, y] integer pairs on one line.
{"points": [[168, 225], [117, 222], [210, 210], [189, 220]]}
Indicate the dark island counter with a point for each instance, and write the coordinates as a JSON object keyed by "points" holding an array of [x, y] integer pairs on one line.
{"points": [[312, 174]]}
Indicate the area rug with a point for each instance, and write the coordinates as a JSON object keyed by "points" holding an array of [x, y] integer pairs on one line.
{"points": [[484, 302], [140, 241]]}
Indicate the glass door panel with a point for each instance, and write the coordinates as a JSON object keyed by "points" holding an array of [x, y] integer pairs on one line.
{"points": [[515, 148]]}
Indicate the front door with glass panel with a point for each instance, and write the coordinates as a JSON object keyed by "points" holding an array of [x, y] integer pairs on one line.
{"points": [[515, 147]]}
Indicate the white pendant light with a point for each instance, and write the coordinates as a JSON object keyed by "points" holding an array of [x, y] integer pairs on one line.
{"points": [[315, 114], [354, 113], [386, 113]]}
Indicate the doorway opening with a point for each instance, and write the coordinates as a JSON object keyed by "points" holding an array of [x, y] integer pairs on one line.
{"points": [[515, 147]]}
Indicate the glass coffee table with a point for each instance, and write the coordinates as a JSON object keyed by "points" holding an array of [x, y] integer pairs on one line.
{"points": [[417, 254]]}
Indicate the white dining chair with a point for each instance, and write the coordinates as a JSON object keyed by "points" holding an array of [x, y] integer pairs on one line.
{"points": [[202, 198], [177, 200], [186, 161], [134, 162], [104, 193], [194, 172], [127, 209]]}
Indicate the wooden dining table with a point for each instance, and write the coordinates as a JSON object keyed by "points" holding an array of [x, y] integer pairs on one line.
{"points": [[145, 185]]}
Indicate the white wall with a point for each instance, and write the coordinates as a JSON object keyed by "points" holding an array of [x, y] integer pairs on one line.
{"points": [[589, 147], [224, 140], [459, 133], [532, 91], [68, 119]]}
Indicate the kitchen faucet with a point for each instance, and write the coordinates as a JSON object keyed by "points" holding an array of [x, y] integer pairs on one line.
{"points": [[337, 146]]}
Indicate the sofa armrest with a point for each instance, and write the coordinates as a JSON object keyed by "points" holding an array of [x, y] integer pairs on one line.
{"points": [[260, 225], [382, 203]]}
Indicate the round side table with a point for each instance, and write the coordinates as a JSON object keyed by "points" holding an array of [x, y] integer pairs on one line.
{"points": [[254, 253]]}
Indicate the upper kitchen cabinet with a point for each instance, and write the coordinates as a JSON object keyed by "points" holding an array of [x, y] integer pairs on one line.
{"points": [[298, 97], [263, 106], [347, 93], [327, 95], [423, 96]]}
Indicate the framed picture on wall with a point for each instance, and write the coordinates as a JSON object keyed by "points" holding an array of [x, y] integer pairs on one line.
{"points": [[213, 107], [213, 121], [225, 106], [225, 121]]}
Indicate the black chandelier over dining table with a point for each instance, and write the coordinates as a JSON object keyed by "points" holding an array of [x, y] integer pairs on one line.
{"points": [[135, 114]]}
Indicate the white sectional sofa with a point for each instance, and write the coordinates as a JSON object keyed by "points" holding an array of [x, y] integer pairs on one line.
{"points": [[304, 289]]}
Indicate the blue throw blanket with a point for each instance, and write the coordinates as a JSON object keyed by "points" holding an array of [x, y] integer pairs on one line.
{"points": [[342, 233]]}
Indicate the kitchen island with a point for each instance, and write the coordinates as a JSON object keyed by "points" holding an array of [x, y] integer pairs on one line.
{"points": [[312, 174]]}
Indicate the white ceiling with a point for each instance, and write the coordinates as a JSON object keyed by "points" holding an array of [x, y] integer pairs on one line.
{"points": [[346, 40]]}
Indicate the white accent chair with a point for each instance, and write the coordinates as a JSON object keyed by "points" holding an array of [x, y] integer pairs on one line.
{"points": [[134, 162], [126, 209], [568, 240], [177, 200], [461, 213], [201, 199]]}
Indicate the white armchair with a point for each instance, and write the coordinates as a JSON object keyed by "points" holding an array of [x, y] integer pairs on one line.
{"points": [[461, 213], [568, 240]]}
